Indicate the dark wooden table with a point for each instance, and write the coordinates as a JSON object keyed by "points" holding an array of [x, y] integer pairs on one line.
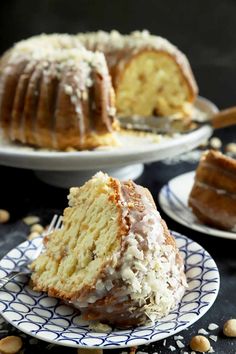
{"points": [[23, 194]]}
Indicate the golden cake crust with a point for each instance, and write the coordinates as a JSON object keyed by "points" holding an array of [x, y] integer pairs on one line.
{"points": [[111, 295], [213, 197], [47, 101]]}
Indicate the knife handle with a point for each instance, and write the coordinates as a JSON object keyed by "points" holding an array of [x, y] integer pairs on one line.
{"points": [[224, 118]]}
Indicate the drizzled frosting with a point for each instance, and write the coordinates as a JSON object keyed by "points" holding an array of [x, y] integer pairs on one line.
{"points": [[145, 271]]}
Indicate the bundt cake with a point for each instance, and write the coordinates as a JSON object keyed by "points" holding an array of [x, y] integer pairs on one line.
{"points": [[213, 196], [56, 93], [151, 77], [56, 98], [114, 258]]}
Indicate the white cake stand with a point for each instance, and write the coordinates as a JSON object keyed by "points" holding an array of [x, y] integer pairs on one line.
{"points": [[66, 169]]}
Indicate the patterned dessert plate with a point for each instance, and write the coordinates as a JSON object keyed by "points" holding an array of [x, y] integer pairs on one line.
{"points": [[48, 319], [173, 199]]}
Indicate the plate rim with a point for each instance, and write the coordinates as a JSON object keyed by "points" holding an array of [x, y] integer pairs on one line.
{"points": [[211, 231], [138, 341]]}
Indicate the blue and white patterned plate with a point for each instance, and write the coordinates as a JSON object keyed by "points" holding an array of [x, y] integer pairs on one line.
{"points": [[50, 320], [173, 199]]}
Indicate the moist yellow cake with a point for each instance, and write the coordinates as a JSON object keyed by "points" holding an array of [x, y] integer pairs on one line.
{"points": [[213, 196], [55, 93], [151, 77], [114, 258]]}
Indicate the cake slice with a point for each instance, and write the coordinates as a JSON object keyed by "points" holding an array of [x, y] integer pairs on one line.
{"points": [[213, 196], [114, 258]]}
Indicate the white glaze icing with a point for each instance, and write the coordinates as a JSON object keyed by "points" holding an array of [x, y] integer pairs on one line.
{"points": [[150, 275]]}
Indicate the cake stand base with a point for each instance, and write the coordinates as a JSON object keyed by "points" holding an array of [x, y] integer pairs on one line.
{"points": [[67, 179]]}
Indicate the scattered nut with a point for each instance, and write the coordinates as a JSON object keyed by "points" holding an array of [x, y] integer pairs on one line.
{"points": [[229, 328], [4, 216], [32, 235], [89, 351], [133, 350], [215, 143], [231, 147], [71, 149], [31, 219], [37, 228], [10, 345], [200, 344]]}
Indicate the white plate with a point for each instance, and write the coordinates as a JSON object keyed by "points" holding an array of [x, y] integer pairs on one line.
{"points": [[133, 150], [50, 320], [173, 199]]}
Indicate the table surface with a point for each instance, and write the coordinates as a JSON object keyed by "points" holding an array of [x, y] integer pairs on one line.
{"points": [[23, 194]]}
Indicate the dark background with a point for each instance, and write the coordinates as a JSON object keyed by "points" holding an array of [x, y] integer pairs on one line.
{"points": [[204, 30]]}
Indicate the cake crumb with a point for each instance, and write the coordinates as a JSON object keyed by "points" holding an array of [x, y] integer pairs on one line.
{"points": [[70, 149], [10, 345], [229, 328], [212, 326], [99, 327], [4, 216]]}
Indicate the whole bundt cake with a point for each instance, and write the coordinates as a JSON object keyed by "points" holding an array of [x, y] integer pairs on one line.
{"points": [[213, 196], [114, 258], [56, 91], [56, 98]]}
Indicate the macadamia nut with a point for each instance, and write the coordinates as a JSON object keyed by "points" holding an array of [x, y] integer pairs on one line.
{"points": [[4, 216], [10, 345], [230, 328], [200, 344]]}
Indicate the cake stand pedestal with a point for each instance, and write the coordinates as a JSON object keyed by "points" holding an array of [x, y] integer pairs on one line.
{"points": [[66, 179]]}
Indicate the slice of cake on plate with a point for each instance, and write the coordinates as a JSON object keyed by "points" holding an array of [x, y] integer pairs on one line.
{"points": [[213, 196], [114, 258]]}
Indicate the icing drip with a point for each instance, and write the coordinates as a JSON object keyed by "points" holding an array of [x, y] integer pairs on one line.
{"points": [[145, 270]]}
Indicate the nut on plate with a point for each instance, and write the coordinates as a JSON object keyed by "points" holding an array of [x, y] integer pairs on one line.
{"points": [[10, 345], [229, 328], [200, 344]]}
